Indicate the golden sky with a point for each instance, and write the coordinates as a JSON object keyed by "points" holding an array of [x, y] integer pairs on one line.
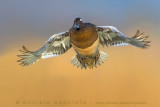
{"points": [[130, 74]]}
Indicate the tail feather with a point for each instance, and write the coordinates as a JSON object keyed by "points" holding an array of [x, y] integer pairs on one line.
{"points": [[28, 57], [102, 58], [90, 62]]}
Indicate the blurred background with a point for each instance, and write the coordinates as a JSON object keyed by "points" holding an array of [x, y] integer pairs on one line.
{"points": [[130, 74]]}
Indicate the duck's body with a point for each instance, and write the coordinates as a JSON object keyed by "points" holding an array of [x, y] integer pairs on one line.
{"points": [[85, 39], [85, 42]]}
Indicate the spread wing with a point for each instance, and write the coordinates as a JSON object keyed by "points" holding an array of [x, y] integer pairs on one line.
{"points": [[109, 35], [55, 46]]}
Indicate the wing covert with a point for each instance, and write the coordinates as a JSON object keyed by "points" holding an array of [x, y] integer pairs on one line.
{"points": [[57, 45]]}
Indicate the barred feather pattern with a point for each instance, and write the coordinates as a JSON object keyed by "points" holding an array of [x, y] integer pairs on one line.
{"points": [[89, 61]]}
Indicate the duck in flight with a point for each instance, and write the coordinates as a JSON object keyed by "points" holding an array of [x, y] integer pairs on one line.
{"points": [[85, 39]]}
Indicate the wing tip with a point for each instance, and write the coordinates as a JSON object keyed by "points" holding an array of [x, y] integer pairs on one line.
{"points": [[140, 40], [26, 57]]}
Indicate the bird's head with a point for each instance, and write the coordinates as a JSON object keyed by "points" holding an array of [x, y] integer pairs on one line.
{"points": [[77, 25]]}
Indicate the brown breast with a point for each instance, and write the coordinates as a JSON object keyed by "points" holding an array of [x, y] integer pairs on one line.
{"points": [[85, 37]]}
